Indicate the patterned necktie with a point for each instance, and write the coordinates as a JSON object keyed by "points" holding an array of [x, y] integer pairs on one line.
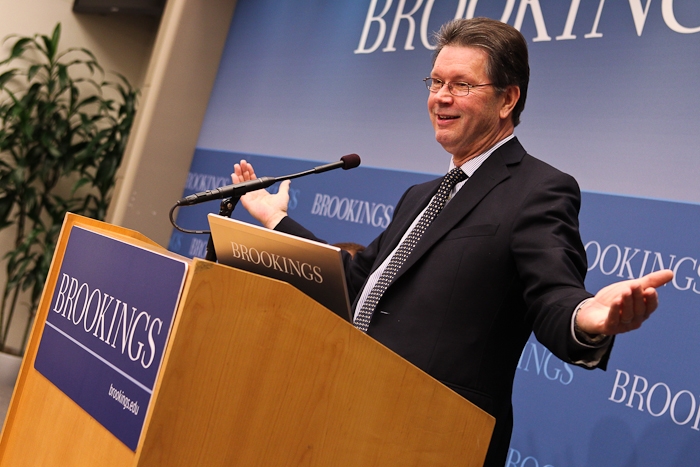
{"points": [[363, 318]]}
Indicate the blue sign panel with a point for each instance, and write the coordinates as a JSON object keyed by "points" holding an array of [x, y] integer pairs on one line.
{"points": [[645, 409], [107, 328], [608, 90]]}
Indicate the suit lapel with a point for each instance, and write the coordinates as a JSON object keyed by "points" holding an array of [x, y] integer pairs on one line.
{"points": [[409, 212], [493, 171]]}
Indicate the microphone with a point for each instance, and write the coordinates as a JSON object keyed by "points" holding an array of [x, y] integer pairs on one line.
{"points": [[346, 162]]}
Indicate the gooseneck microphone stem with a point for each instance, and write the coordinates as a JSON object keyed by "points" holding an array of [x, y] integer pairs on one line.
{"points": [[225, 210], [237, 190]]}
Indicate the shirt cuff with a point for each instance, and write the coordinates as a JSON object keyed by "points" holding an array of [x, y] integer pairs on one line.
{"points": [[598, 343]]}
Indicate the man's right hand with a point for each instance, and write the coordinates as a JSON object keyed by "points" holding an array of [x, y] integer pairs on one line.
{"points": [[267, 208]]}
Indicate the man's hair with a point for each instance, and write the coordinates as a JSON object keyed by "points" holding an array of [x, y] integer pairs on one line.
{"points": [[506, 48]]}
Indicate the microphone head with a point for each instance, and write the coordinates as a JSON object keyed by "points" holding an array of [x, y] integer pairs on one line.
{"points": [[350, 161]]}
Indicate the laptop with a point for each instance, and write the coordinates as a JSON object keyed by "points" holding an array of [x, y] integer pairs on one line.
{"points": [[312, 267]]}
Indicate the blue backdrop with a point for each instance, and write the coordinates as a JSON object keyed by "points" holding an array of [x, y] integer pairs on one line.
{"points": [[612, 101]]}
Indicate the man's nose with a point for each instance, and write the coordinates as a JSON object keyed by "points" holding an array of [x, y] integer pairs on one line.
{"points": [[444, 93]]}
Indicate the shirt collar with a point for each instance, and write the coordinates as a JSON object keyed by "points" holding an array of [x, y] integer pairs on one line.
{"points": [[474, 163]]}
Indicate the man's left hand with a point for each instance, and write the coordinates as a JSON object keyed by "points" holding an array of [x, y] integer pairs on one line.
{"points": [[622, 306]]}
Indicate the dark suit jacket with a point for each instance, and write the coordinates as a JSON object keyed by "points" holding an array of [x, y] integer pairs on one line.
{"points": [[504, 258]]}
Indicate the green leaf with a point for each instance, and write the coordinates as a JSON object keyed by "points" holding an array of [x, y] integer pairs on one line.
{"points": [[20, 46], [7, 203], [63, 78], [91, 55], [56, 36], [48, 49], [33, 70], [7, 76], [89, 101]]}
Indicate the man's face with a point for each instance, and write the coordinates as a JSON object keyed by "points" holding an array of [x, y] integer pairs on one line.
{"points": [[468, 125]]}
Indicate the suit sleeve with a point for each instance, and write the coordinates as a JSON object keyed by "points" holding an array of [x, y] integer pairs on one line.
{"points": [[551, 262], [357, 269]]}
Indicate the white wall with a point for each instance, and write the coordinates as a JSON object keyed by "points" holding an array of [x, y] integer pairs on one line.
{"points": [[121, 43], [177, 88]]}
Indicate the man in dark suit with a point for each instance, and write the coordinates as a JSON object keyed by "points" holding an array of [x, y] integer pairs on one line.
{"points": [[457, 285]]}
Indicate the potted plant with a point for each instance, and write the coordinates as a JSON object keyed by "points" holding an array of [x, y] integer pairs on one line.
{"points": [[63, 131]]}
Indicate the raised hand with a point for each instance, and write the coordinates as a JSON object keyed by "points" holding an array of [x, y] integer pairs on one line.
{"points": [[267, 208]]}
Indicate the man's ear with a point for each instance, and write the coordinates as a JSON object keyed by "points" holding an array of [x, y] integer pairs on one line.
{"points": [[510, 98]]}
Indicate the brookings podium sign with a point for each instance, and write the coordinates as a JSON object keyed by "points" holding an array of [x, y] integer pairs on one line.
{"points": [[108, 326]]}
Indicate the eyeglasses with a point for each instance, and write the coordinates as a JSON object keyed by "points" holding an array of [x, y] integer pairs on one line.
{"points": [[456, 88]]}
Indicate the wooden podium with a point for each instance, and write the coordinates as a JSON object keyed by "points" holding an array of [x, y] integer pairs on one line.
{"points": [[254, 374]]}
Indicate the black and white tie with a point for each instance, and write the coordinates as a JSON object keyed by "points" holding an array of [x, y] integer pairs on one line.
{"points": [[364, 316]]}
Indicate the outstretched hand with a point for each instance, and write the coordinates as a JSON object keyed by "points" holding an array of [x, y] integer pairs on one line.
{"points": [[267, 208], [622, 306]]}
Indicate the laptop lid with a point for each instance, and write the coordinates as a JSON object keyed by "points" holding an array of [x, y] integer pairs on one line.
{"points": [[312, 267]]}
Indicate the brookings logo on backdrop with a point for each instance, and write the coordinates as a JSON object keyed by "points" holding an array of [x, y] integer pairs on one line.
{"points": [[516, 459], [202, 181], [657, 399], [421, 11], [543, 363], [352, 210], [628, 262]]}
